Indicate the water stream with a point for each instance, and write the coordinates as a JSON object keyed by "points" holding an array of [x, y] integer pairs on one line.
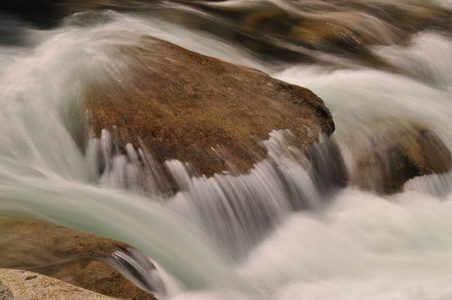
{"points": [[282, 231]]}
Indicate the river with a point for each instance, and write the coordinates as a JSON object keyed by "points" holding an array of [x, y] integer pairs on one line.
{"points": [[236, 237]]}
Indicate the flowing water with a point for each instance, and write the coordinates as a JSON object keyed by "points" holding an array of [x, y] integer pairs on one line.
{"points": [[283, 231]]}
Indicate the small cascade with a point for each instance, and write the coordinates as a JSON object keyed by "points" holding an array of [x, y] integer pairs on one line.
{"points": [[235, 210], [129, 169], [131, 263], [439, 185], [138, 268]]}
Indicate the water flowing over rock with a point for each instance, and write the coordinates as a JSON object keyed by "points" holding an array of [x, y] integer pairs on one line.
{"points": [[72, 256], [391, 152], [199, 110], [228, 179], [287, 30]]}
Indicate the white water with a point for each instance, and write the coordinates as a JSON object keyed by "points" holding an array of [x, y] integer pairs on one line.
{"points": [[356, 245]]}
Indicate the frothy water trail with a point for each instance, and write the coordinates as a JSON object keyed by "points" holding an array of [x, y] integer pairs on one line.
{"points": [[137, 268], [362, 247], [427, 58]]}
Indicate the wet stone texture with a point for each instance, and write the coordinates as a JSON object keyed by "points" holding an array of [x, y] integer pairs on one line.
{"points": [[391, 152], [69, 255], [200, 110], [5, 292], [23, 285]]}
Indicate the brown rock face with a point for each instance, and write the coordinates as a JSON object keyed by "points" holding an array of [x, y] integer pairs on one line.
{"points": [[98, 277], [28, 285], [197, 109], [391, 152], [65, 254], [36, 243]]}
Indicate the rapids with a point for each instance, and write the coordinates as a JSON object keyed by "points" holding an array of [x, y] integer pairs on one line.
{"points": [[280, 232]]}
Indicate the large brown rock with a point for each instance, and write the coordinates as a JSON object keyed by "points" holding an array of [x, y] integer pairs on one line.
{"points": [[200, 110], [69, 255], [387, 153]]}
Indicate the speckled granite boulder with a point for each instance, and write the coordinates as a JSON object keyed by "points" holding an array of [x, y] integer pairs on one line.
{"points": [[23, 285]]}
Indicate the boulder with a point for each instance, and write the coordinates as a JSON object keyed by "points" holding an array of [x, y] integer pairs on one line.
{"points": [[98, 277], [30, 242], [5, 292], [387, 153], [200, 110], [69, 255], [19, 284]]}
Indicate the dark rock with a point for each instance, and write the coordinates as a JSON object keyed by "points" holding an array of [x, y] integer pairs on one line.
{"points": [[200, 110], [388, 153]]}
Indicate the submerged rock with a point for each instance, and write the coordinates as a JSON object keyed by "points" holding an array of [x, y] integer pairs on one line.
{"points": [[69, 255], [388, 153], [301, 30], [199, 110], [19, 284], [289, 31]]}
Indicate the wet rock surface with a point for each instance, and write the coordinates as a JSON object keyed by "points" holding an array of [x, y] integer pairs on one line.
{"points": [[97, 277], [391, 152], [290, 31], [36, 242], [69, 255], [200, 110]]}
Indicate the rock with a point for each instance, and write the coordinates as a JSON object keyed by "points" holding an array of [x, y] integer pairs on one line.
{"points": [[75, 257], [98, 277], [5, 292], [292, 31], [200, 110], [28, 285], [387, 153], [32, 243], [343, 33], [268, 29]]}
